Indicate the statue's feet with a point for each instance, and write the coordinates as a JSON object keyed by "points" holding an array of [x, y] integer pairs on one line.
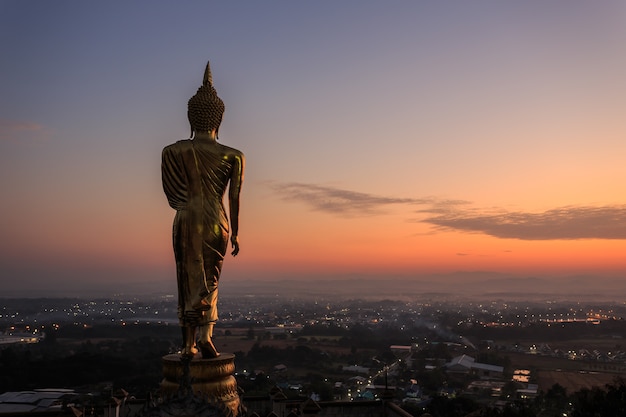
{"points": [[188, 352], [207, 349]]}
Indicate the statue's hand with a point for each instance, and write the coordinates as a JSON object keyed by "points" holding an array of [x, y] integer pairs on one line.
{"points": [[234, 240]]}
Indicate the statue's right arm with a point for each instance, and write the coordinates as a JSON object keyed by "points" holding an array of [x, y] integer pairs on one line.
{"points": [[173, 178]]}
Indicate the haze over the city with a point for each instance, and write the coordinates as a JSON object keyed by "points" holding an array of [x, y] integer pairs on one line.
{"points": [[428, 141]]}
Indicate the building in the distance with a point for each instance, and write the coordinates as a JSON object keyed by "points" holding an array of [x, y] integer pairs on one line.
{"points": [[467, 365]]}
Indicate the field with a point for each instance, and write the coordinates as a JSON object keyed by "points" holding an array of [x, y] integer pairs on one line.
{"points": [[571, 374], [232, 344], [237, 341], [574, 381]]}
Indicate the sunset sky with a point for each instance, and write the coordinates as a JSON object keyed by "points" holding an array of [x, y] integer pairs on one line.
{"points": [[400, 139]]}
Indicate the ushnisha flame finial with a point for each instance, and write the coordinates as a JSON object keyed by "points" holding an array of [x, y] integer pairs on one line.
{"points": [[205, 109], [208, 78]]}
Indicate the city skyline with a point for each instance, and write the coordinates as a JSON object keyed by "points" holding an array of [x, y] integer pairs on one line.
{"points": [[404, 140]]}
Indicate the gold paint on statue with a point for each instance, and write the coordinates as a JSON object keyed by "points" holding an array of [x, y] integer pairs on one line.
{"points": [[196, 173]]}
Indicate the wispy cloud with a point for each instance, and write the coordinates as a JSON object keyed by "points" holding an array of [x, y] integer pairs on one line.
{"points": [[11, 130], [565, 223], [341, 202]]}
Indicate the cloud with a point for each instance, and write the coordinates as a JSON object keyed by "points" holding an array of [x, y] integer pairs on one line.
{"points": [[339, 201], [564, 223], [10, 130]]}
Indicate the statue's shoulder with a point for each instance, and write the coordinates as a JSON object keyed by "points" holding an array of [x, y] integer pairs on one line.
{"points": [[178, 146], [231, 151]]}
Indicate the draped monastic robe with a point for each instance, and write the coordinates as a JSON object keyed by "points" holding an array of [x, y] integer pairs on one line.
{"points": [[195, 177]]}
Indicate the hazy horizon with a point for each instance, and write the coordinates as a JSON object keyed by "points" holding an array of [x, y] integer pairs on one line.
{"points": [[455, 286]]}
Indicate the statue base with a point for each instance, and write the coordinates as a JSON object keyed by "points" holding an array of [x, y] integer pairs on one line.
{"points": [[210, 378]]}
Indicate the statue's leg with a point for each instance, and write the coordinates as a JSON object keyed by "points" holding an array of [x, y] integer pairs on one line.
{"points": [[189, 341], [205, 343], [213, 255]]}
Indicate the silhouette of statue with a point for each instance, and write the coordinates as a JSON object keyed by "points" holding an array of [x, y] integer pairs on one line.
{"points": [[196, 173]]}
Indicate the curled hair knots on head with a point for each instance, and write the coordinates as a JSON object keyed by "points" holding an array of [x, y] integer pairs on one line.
{"points": [[205, 109]]}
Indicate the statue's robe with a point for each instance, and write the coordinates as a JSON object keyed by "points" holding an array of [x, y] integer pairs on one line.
{"points": [[195, 177]]}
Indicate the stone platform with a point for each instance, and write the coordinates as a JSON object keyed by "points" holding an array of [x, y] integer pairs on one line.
{"points": [[210, 378]]}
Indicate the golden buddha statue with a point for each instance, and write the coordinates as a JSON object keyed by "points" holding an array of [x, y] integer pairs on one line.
{"points": [[196, 173]]}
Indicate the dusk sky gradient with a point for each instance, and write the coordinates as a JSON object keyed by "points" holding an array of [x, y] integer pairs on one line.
{"points": [[400, 139]]}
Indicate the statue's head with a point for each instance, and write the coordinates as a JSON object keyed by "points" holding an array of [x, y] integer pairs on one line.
{"points": [[205, 109]]}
